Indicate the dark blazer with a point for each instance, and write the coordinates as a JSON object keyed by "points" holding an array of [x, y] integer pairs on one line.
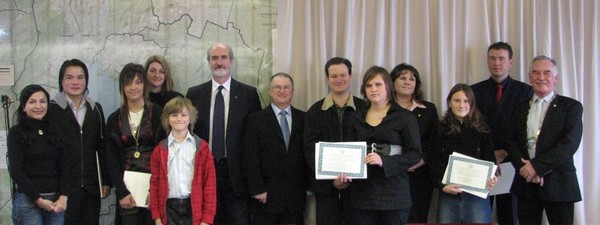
{"points": [[498, 116], [269, 167], [243, 100], [558, 140], [386, 187]]}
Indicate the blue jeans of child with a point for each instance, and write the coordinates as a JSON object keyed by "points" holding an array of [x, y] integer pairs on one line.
{"points": [[26, 212], [464, 207]]}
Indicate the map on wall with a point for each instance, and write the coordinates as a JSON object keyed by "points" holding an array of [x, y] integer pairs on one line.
{"points": [[37, 36]]}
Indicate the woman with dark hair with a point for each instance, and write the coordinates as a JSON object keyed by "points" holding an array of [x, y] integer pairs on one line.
{"points": [[461, 130], [160, 80], [407, 88], [384, 197], [134, 132], [37, 163]]}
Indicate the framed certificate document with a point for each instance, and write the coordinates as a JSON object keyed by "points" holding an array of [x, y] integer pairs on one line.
{"points": [[333, 158], [471, 173]]}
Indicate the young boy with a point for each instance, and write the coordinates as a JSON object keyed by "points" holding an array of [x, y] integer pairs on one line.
{"points": [[183, 182]]}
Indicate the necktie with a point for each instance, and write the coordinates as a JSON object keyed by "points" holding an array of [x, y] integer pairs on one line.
{"points": [[536, 124], [285, 128], [499, 93], [218, 135]]}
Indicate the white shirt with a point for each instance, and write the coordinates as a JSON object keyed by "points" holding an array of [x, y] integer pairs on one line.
{"points": [[181, 166], [79, 113], [288, 116], [225, 92], [537, 112]]}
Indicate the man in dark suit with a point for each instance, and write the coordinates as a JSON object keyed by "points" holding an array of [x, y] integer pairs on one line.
{"points": [[496, 99], [547, 133], [274, 163], [328, 120], [223, 105]]}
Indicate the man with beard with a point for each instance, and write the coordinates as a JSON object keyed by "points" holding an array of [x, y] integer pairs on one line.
{"points": [[223, 105]]}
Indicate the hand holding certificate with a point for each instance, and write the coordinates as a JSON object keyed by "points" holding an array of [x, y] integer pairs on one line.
{"points": [[471, 173], [138, 184], [334, 158]]}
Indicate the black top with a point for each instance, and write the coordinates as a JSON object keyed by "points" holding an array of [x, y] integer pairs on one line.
{"points": [[122, 146], [499, 116], [468, 142], [387, 187], [428, 121], [36, 158], [161, 98]]}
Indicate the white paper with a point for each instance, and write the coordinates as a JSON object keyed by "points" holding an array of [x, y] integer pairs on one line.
{"points": [[504, 180], [333, 158], [471, 173], [139, 185]]}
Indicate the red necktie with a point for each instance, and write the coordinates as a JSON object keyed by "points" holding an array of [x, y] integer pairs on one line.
{"points": [[499, 93]]}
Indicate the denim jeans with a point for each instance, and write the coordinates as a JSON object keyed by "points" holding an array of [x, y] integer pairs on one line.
{"points": [[26, 212], [464, 207]]}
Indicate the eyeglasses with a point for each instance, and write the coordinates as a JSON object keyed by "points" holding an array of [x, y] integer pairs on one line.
{"points": [[284, 88]]}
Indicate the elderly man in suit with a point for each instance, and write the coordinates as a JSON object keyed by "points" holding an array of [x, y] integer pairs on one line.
{"points": [[274, 163], [223, 105], [547, 133]]}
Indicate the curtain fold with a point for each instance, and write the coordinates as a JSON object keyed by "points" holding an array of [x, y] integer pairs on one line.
{"points": [[447, 42]]}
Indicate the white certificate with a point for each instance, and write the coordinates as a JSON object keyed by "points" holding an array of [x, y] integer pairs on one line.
{"points": [[333, 158], [471, 173], [504, 180], [139, 185]]}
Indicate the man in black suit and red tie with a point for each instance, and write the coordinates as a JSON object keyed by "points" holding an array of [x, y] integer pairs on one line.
{"points": [[274, 163], [223, 105], [547, 133]]}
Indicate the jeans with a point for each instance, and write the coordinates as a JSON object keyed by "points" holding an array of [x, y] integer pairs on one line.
{"points": [[26, 212], [463, 208]]}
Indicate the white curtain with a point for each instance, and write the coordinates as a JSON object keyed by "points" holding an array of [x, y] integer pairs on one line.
{"points": [[447, 42]]}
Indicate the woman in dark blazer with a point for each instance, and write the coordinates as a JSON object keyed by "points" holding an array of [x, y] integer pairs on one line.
{"points": [[384, 197], [134, 132]]}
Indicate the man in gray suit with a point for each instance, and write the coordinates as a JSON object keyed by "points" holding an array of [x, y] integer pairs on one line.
{"points": [[223, 105], [547, 133]]}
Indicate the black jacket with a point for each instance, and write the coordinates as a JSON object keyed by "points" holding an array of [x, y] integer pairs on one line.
{"points": [[387, 187], [81, 143], [324, 125], [121, 145]]}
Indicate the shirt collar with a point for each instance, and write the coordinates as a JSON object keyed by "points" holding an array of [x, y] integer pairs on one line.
{"points": [[226, 85], [328, 102], [71, 103], [171, 139], [277, 110], [547, 98]]}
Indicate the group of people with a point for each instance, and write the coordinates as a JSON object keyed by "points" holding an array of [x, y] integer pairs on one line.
{"points": [[215, 157]]}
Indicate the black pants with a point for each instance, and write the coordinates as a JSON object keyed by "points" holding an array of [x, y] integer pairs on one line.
{"points": [[530, 210], [506, 208], [83, 208], [231, 209], [331, 209], [179, 211]]}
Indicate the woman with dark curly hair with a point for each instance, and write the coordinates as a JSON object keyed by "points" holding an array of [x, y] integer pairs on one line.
{"points": [[407, 88], [37, 163]]}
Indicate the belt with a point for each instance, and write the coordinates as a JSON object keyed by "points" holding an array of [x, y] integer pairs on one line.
{"points": [[178, 201]]}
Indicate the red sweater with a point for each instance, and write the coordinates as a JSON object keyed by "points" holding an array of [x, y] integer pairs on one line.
{"points": [[204, 186]]}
